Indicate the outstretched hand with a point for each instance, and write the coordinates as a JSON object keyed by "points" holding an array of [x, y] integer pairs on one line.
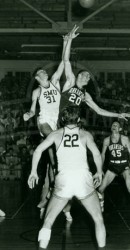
{"points": [[72, 34], [124, 115], [33, 178], [26, 116], [66, 37]]}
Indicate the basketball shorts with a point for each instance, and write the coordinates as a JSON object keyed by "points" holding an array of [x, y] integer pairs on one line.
{"points": [[118, 168], [51, 121], [70, 183]]}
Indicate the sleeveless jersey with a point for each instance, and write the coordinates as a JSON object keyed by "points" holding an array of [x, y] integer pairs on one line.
{"points": [[49, 101], [73, 96], [71, 154], [117, 152]]}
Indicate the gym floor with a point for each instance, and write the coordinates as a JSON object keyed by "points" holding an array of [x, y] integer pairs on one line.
{"points": [[19, 229]]}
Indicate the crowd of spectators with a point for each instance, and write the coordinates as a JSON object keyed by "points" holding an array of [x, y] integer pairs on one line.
{"points": [[114, 87], [15, 156], [18, 139]]}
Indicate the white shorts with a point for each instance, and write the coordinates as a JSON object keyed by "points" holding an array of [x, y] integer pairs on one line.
{"points": [[52, 121], [70, 183]]}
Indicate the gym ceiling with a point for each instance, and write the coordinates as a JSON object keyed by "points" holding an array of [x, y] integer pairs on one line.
{"points": [[33, 29]]}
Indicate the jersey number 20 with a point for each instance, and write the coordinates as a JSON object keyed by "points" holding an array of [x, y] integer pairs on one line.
{"points": [[75, 99]]}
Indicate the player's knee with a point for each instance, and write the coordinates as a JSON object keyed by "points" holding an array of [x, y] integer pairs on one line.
{"points": [[98, 218]]}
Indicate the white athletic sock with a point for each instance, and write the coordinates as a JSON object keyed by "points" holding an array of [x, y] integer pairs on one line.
{"points": [[44, 237], [68, 216], [101, 200]]}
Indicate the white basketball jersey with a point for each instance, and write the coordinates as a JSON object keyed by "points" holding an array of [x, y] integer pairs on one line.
{"points": [[49, 101], [71, 154]]}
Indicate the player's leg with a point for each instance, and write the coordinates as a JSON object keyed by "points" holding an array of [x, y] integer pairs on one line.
{"points": [[107, 179], [126, 175], [92, 205], [55, 206], [45, 130], [44, 195]]}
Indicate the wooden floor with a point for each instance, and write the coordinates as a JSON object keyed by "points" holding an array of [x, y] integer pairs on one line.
{"points": [[20, 227]]}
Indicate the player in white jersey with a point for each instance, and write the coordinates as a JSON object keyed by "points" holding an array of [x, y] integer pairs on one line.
{"points": [[74, 177], [49, 100], [48, 96]]}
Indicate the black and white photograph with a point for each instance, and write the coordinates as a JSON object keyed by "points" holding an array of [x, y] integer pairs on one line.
{"points": [[64, 124]]}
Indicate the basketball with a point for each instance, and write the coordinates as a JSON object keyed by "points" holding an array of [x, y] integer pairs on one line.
{"points": [[86, 3]]}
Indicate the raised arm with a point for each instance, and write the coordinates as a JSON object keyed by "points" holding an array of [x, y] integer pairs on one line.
{"points": [[70, 78], [32, 111], [104, 148], [89, 101], [33, 177], [57, 75]]}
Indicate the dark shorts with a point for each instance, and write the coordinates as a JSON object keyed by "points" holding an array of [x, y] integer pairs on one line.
{"points": [[118, 168]]}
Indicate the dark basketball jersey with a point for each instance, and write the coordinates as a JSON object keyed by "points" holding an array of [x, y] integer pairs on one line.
{"points": [[73, 96], [117, 152]]}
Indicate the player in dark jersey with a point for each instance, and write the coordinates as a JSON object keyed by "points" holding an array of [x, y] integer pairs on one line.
{"points": [[73, 92], [118, 163]]}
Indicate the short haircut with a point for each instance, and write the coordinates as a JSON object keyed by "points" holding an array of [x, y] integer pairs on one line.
{"points": [[83, 71], [116, 121], [36, 70], [70, 115]]}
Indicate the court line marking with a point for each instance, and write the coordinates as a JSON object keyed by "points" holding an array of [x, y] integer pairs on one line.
{"points": [[18, 210], [120, 215]]}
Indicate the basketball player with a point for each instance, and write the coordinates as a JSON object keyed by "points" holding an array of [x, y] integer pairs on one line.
{"points": [[74, 177], [48, 95], [73, 93], [118, 163]]}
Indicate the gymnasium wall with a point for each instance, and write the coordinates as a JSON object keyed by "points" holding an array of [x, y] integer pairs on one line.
{"points": [[93, 66]]}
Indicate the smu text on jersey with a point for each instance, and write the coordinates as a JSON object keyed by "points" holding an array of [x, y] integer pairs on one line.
{"points": [[50, 93]]}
